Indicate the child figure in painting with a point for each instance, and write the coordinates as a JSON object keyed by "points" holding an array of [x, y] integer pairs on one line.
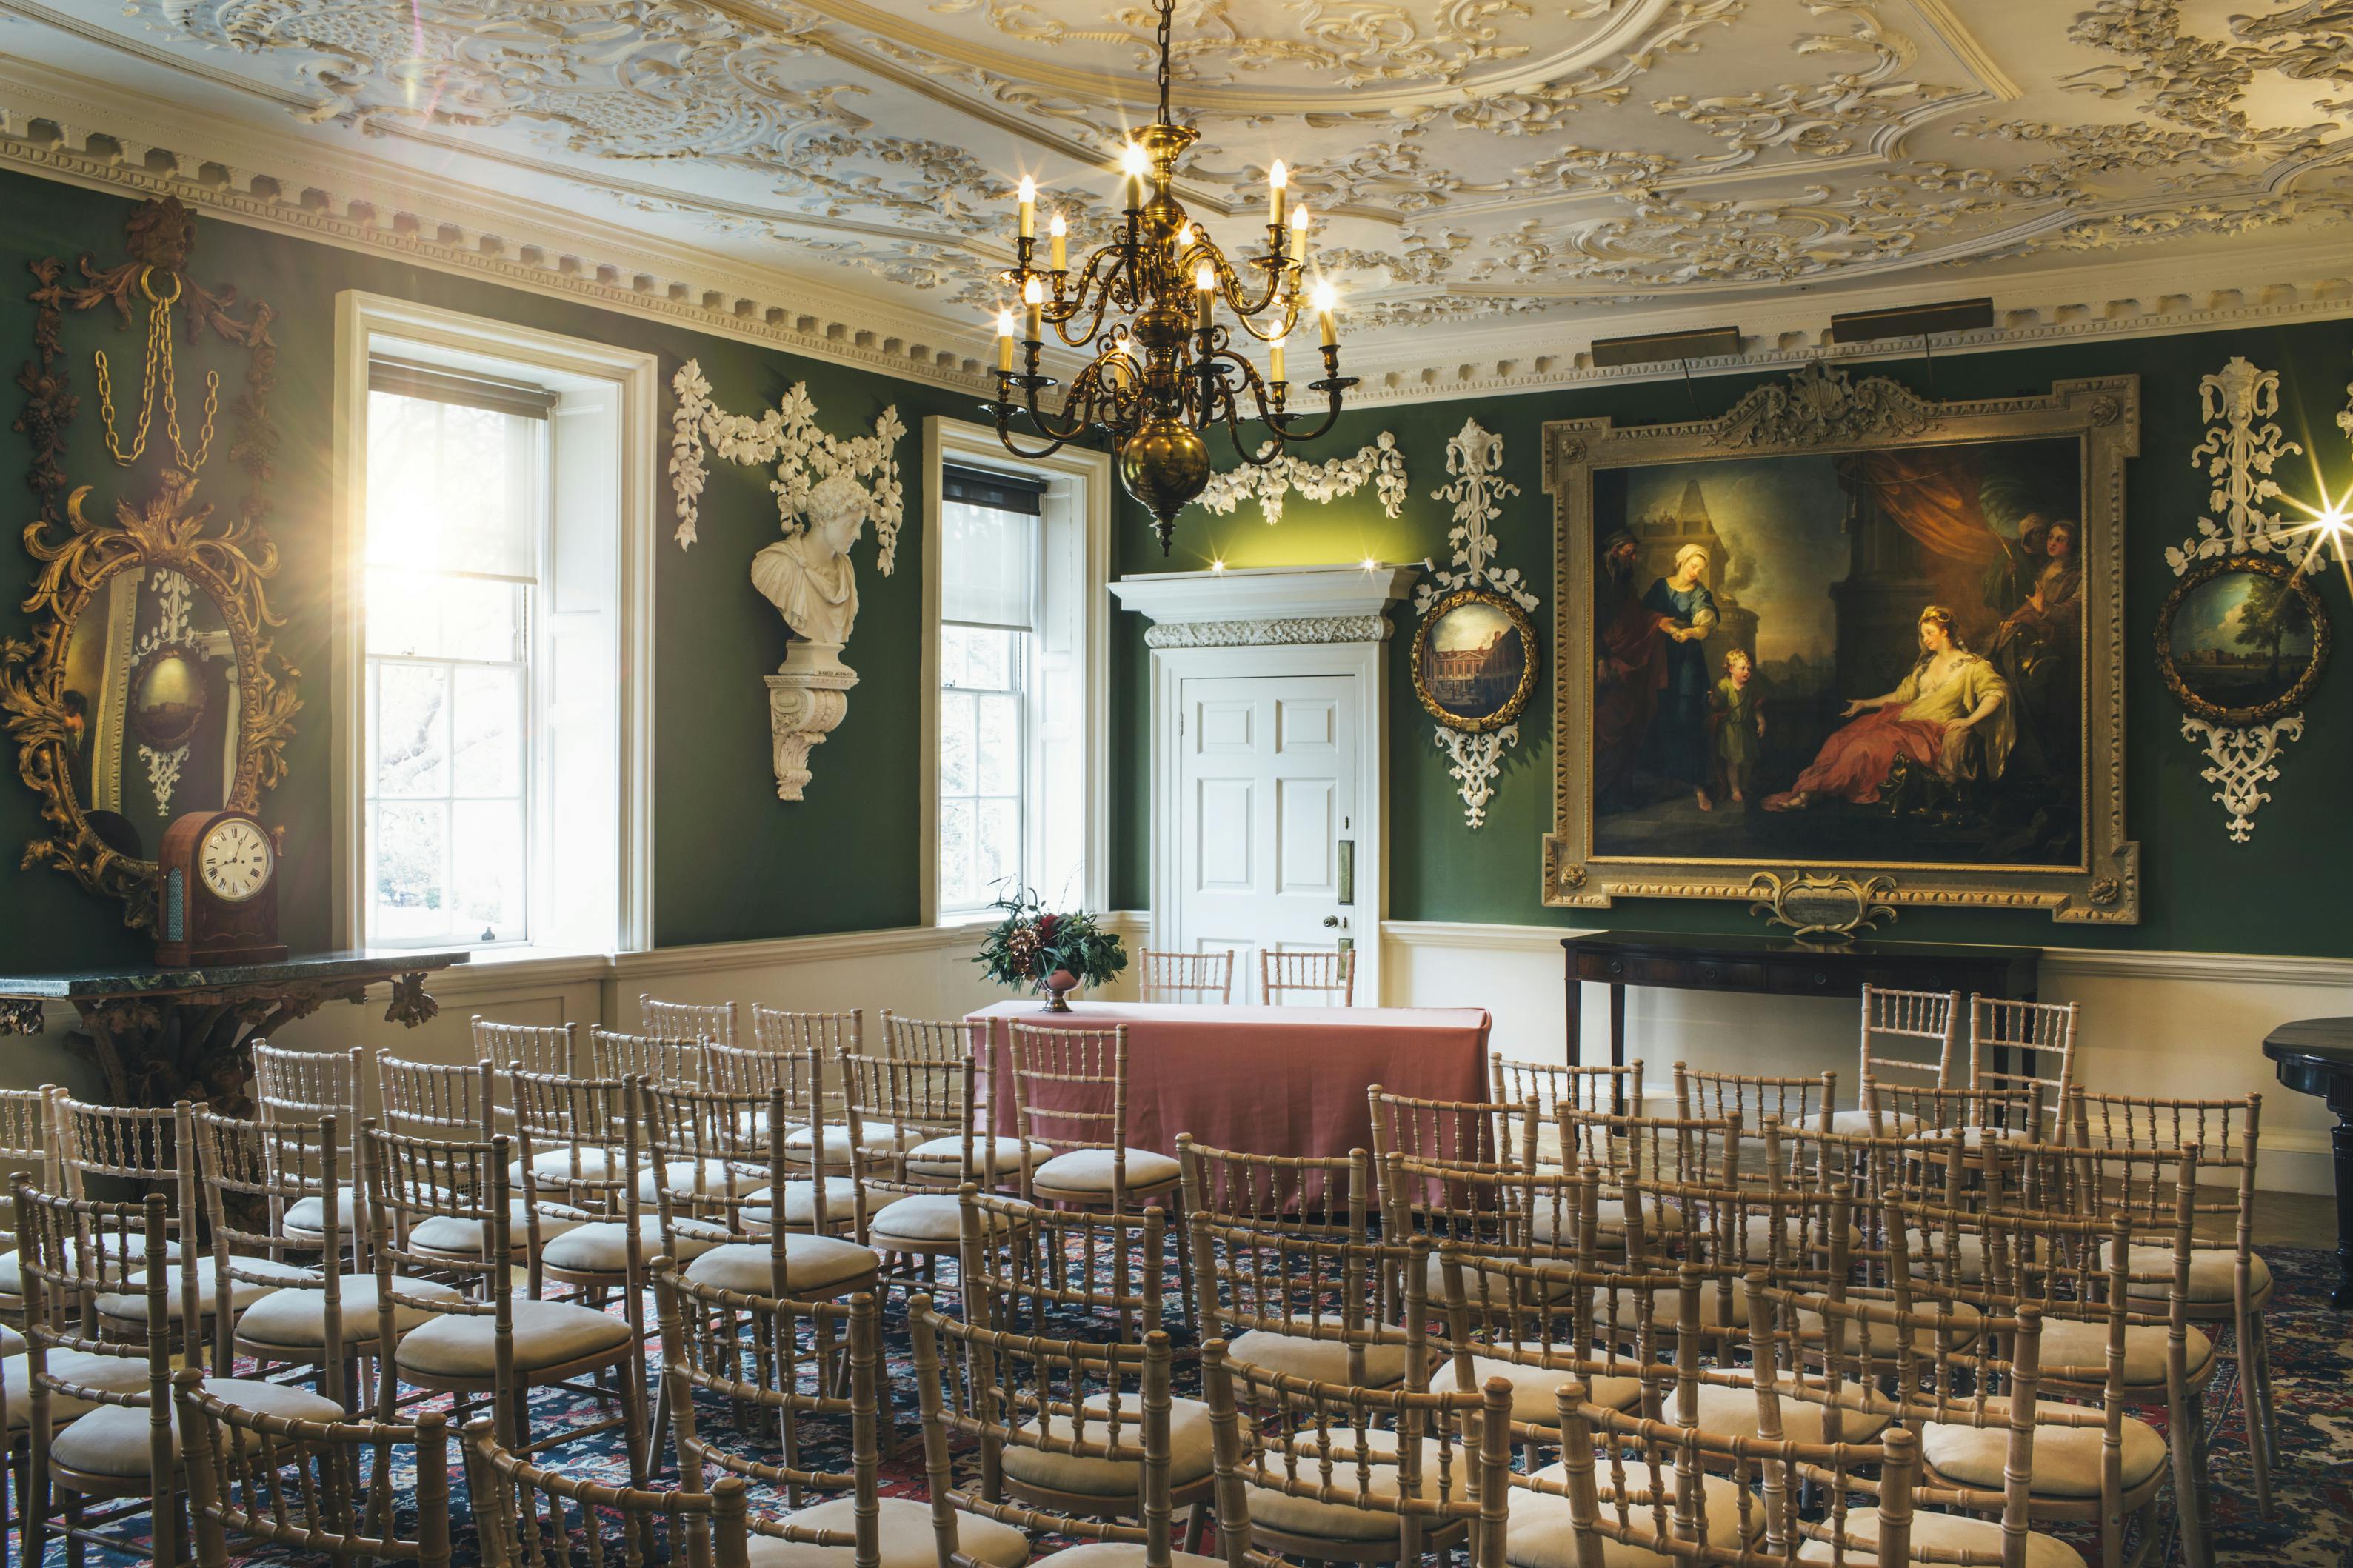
{"points": [[1739, 721]]}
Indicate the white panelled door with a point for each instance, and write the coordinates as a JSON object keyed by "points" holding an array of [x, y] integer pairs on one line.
{"points": [[1267, 788]]}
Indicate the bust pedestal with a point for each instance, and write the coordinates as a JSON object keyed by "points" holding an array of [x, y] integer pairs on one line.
{"points": [[807, 699]]}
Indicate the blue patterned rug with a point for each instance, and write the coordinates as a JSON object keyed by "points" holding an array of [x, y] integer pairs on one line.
{"points": [[2311, 1369]]}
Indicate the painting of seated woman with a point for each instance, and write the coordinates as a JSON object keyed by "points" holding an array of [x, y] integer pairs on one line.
{"points": [[1851, 658]]}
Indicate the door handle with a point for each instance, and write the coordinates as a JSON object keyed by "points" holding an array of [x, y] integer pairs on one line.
{"points": [[1331, 923]]}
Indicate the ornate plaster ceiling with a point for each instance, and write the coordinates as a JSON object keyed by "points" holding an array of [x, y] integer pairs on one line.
{"points": [[1480, 166]]}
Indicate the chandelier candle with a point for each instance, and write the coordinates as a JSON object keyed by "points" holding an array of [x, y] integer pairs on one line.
{"points": [[1163, 369]]}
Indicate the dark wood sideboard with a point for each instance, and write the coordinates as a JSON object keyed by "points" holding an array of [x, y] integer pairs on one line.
{"points": [[1779, 966]]}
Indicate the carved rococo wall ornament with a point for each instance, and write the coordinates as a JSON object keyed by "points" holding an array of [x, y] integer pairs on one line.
{"points": [[1475, 734], [828, 489], [2241, 448], [1381, 463]]}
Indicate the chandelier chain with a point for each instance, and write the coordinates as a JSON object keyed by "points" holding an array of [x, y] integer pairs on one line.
{"points": [[1167, 17]]}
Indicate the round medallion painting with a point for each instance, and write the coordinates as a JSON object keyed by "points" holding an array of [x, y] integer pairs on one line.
{"points": [[1474, 660], [2242, 640]]}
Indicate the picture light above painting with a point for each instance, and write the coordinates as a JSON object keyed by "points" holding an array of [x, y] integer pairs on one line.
{"points": [[1846, 628]]}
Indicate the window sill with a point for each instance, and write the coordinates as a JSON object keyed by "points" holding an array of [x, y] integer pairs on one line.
{"points": [[498, 972]]}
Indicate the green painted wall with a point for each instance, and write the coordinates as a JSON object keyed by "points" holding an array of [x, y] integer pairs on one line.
{"points": [[731, 858], [2200, 890]]}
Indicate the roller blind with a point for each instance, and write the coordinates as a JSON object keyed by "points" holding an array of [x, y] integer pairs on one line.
{"points": [[990, 551]]}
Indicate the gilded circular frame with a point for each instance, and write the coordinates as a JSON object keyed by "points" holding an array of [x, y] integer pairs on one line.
{"points": [[2169, 665], [1503, 714]]}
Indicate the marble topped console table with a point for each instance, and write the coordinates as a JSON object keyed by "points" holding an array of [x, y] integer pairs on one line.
{"points": [[164, 1034]]}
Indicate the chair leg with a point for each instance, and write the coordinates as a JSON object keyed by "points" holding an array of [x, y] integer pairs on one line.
{"points": [[1182, 1235], [2255, 1406], [1197, 1523], [2186, 1421]]}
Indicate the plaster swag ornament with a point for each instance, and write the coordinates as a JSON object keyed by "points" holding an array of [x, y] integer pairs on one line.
{"points": [[2241, 448], [1475, 457], [826, 491], [1268, 479]]}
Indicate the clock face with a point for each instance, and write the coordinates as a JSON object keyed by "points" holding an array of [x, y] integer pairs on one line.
{"points": [[235, 860]]}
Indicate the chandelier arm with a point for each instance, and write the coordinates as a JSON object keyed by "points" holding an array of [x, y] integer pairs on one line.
{"points": [[1268, 452], [1331, 416], [1093, 324]]}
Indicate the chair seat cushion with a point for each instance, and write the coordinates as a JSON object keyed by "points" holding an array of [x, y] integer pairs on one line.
{"points": [[1948, 1534], [943, 1157], [1960, 1330], [719, 1177], [455, 1237], [11, 1341], [556, 1163], [1730, 1409], [2080, 1347], [1121, 1554], [130, 1307], [1971, 1137], [1344, 1521], [112, 1441], [2213, 1273], [1539, 1534], [296, 1319], [133, 1244], [546, 1334], [840, 1203], [111, 1374], [1715, 1312], [308, 1216], [924, 1221], [903, 1534], [1856, 1123], [1087, 1172], [1189, 1450], [882, 1142], [2066, 1458], [811, 1263], [602, 1247], [1965, 1263], [1496, 1287], [1796, 1246], [1533, 1386], [1325, 1361]]}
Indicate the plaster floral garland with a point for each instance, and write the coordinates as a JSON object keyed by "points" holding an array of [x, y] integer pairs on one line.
{"points": [[804, 455], [2237, 455], [1475, 457], [1381, 463]]}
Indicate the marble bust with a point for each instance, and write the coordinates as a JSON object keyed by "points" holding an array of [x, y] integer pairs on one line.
{"points": [[809, 576]]}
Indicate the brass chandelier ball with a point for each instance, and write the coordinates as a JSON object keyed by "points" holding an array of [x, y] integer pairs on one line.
{"points": [[1163, 465]]}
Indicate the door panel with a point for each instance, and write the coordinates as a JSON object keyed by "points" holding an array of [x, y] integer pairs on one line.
{"points": [[1266, 791]]}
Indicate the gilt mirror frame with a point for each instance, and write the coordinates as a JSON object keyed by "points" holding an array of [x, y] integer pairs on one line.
{"points": [[222, 549], [1820, 410]]}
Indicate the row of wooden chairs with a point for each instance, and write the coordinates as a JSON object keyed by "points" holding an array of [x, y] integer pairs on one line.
{"points": [[1324, 978]]}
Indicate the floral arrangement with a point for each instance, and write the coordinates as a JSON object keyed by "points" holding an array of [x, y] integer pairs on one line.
{"points": [[1034, 947]]}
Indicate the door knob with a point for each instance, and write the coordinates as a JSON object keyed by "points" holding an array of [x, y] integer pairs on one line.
{"points": [[1331, 922]]}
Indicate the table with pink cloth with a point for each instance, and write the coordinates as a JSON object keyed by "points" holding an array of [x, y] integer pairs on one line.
{"points": [[1271, 1081]]}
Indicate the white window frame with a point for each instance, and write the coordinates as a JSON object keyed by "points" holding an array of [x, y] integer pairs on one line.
{"points": [[1077, 478], [634, 379]]}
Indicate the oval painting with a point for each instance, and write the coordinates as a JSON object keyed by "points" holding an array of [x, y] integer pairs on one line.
{"points": [[2242, 640], [1474, 660]]}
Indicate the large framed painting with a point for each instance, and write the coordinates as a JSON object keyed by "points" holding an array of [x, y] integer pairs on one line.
{"points": [[1845, 629]]}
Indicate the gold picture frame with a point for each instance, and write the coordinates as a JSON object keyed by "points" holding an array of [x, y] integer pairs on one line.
{"points": [[1456, 702], [2203, 670], [2084, 868]]}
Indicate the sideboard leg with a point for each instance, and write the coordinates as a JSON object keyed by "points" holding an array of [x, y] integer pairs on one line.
{"points": [[1575, 1017], [2342, 1138]]}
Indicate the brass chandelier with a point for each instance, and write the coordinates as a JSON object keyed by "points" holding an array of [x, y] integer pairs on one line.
{"points": [[1164, 368]]}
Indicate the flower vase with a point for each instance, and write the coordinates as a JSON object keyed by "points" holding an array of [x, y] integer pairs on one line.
{"points": [[1059, 986]]}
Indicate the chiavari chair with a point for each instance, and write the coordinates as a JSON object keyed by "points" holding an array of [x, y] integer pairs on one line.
{"points": [[1327, 977], [1070, 1095], [1195, 977], [305, 1087], [930, 1039], [1908, 1038], [436, 1099], [156, 1149], [123, 1447], [27, 1139], [1081, 1273], [654, 1058], [443, 1207], [1812, 1349], [1538, 1216], [2035, 1031], [289, 1481], [897, 1106], [2077, 1274], [1725, 1231], [1632, 1490], [549, 1049], [1631, 1149], [1328, 1196], [1334, 1472], [581, 1164], [690, 1022], [1077, 1434], [822, 1202], [265, 1307], [1980, 1116], [1551, 1084], [1311, 1305], [1703, 1096], [942, 1159], [1533, 1325], [531, 1517], [2228, 1284], [1493, 1135]]}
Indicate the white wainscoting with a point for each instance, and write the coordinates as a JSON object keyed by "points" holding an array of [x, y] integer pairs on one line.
{"points": [[2163, 1024]]}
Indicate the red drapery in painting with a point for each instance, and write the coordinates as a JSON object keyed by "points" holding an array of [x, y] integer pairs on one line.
{"points": [[1932, 495]]}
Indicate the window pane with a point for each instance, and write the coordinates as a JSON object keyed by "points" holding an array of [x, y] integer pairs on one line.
{"points": [[959, 764], [487, 725], [452, 488], [487, 869], [427, 614], [988, 659], [412, 731], [952, 657], [410, 844], [998, 728], [998, 853], [958, 890]]}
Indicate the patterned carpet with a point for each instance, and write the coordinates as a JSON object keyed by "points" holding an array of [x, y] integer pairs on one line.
{"points": [[2312, 1354]]}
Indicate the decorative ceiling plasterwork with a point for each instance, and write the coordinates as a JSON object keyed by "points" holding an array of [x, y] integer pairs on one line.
{"points": [[1496, 161]]}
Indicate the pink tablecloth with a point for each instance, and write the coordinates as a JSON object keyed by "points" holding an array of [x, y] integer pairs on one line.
{"points": [[1271, 1081]]}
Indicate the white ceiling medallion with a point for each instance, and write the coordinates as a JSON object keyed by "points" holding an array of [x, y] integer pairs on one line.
{"points": [[1474, 456], [2241, 446]]}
